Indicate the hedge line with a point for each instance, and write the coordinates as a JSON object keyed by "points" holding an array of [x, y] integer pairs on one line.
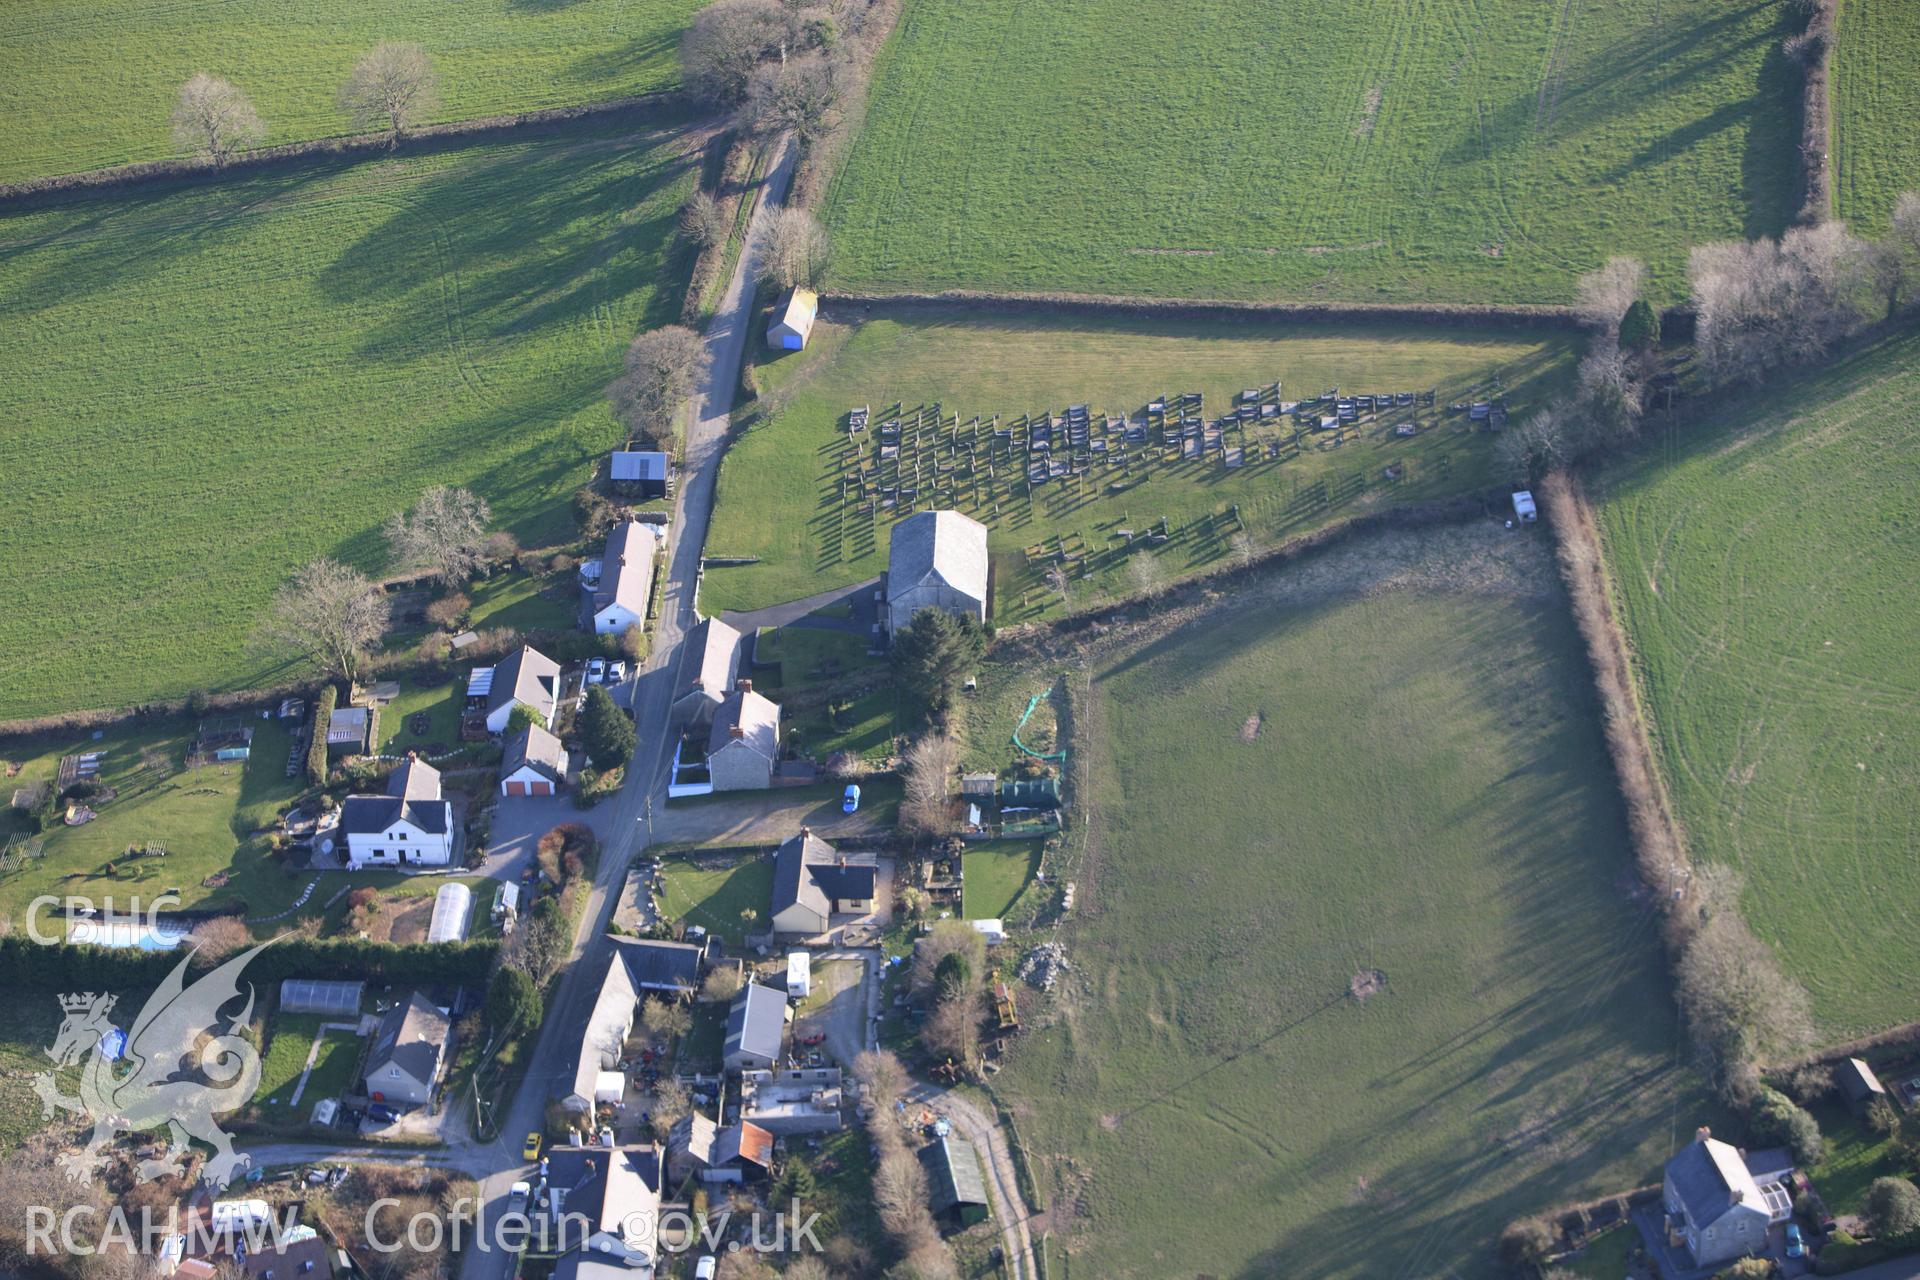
{"points": [[317, 744], [352, 147], [66, 967], [854, 306]]}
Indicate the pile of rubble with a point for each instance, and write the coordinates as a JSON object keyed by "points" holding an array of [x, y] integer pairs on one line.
{"points": [[1044, 965]]}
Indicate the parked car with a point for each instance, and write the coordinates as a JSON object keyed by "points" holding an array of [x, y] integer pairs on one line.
{"points": [[818, 1037], [596, 671], [850, 798], [617, 673], [703, 1269], [1796, 1245], [531, 1150], [383, 1113], [518, 1196]]}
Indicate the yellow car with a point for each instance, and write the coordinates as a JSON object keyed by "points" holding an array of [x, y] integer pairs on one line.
{"points": [[532, 1150]]}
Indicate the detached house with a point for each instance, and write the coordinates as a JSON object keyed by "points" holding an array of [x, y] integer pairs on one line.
{"points": [[743, 746], [626, 579], [1714, 1206], [406, 1054], [527, 678], [936, 560], [813, 882], [410, 825]]}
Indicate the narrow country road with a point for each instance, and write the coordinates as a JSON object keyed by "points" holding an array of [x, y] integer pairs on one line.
{"points": [[982, 1132]]}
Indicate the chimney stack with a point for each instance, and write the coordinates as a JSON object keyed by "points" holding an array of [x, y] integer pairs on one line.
{"points": [[743, 685], [1702, 1134], [737, 731]]}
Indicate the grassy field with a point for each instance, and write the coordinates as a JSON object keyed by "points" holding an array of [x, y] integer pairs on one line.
{"points": [[713, 894], [1354, 149], [1387, 760], [91, 84], [1024, 364], [205, 817], [997, 873], [1765, 565], [1876, 100], [212, 385]]}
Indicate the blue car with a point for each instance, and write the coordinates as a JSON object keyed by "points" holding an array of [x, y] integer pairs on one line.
{"points": [[850, 799], [1796, 1247]]}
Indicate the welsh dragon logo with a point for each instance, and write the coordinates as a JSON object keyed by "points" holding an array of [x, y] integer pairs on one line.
{"points": [[140, 1080]]}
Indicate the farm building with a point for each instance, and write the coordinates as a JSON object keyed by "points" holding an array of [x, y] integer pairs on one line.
{"points": [[806, 1100], [936, 560], [709, 663], [813, 882], [743, 746], [643, 469], [626, 579], [956, 1191], [596, 1077], [526, 678], [315, 995], [410, 825], [405, 1059], [1858, 1084], [699, 1147], [535, 764], [452, 906], [350, 732], [1713, 1204], [756, 1028], [792, 321]]}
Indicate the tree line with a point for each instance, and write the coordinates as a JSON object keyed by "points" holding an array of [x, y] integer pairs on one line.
{"points": [[30, 966], [391, 89]]}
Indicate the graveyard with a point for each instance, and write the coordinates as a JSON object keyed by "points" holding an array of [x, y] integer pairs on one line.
{"points": [[1106, 456]]}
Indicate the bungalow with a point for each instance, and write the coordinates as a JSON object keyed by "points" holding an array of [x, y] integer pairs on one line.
{"points": [[792, 321], [813, 882], [709, 663], [936, 560], [626, 579], [756, 1028], [410, 825], [954, 1186], [535, 764], [743, 746], [698, 1147], [406, 1054], [1714, 1206], [527, 678], [643, 471], [596, 1074]]}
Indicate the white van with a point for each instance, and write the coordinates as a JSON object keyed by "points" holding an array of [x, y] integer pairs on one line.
{"points": [[799, 975]]}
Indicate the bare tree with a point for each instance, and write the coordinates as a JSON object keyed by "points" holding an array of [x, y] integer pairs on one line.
{"points": [[1611, 397], [1741, 1006], [1903, 249], [213, 119], [394, 85], [1603, 296], [1143, 572], [930, 763], [1060, 582], [794, 250], [799, 94], [445, 531], [327, 614], [899, 1192], [666, 1018], [721, 984], [1241, 545], [726, 42], [1763, 303], [882, 1075], [671, 1103], [953, 1030], [215, 939], [703, 220], [663, 367]]}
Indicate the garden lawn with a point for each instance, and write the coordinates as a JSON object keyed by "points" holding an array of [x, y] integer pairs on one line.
{"points": [[1426, 795], [206, 818], [997, 873], [441, 702], [1876, 104], [92, 84], [1605, 1256], [1764, 561], [286, 1057], [1854, 1157], [212, 385], [520, 601], [1375, 150], [713, 894], [1023, 364]]}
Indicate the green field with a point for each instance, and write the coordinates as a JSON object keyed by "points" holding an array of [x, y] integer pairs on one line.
{"points": [[1024, 364], [1765, 563], [1384, 759], [1457, 150], [209, 386], [1876, 104], [712, 894], [205, 818], [92, 84]]}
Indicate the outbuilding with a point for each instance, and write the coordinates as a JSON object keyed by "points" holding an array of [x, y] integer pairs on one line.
{"points": [[1524, 509], [644, 471], [954, 1186], [452, 906], [535, 764], [792, 322]]}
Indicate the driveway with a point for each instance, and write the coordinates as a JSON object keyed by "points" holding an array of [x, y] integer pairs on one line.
{"points": [[520, 821], [760, 817], [860, 596], [843, 986]]}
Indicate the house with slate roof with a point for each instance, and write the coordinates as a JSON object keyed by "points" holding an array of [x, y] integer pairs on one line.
{"points": [[405, 1059], [1714, 1207], [410, 825]]}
